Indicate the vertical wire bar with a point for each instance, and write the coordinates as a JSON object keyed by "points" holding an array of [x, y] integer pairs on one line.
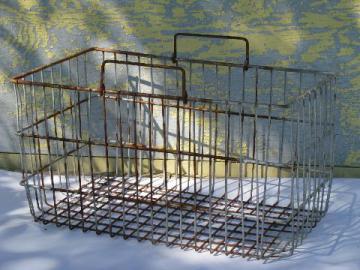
{"points": [[241, 184], [150, 123], [231, 129], [32, 148], [140, 120], [298, 162], [128, 117], [332, 111], [309, 164], [55, 123], [37, 148], [166, 113], [179, 174], [189, 127], [117, 113], [242, 167], [328, 125], [304, 191], [182, 122], [323, 137], [312, 163], [22, 119], [202, 142], [307, 134], [201, 176], [152, 92], [23, 162], [227, 137], [267, 146], [215, 154], [210, 178], [164, 127], [317, 168], [255, 156], [107, 162], [218, 94], [78, 132], [136, 170], [72, 126], [293, 160], [202, 131], [92, 177], [215, 135], [167, 110], [123, 179], [49, 159], [63, 134], [322, 157], [194, 147], [19, 124], [325, 152], [152, 139], [281, 150]]}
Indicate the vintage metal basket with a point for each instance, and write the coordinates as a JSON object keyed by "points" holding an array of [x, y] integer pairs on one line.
{"points": [[227, 157]]}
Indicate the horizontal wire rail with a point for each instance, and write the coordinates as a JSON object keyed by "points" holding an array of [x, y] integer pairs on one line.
{"points": [[208, 155]]}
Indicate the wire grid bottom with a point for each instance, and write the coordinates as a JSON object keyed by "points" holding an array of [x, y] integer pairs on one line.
{"points": [[177, 217]]}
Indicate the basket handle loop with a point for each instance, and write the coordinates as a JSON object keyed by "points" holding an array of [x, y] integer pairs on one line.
{"points": [[247, 59], [110, 61]]}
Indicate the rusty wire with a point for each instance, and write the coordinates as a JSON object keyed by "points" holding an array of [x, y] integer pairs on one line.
{"points": [[218, 156]]}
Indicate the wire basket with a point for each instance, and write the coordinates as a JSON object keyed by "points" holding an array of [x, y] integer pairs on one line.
{"points": [[208, 155]]}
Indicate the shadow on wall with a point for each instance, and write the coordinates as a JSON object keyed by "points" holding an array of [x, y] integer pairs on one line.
{"points": [[35, 32], [41, 30], [9, 142]]}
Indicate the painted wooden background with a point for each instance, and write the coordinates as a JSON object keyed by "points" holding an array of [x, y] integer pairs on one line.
{"points": [[319, 34]]}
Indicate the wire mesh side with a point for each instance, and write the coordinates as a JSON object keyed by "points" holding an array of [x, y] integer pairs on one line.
{"points": [[234, 175]]}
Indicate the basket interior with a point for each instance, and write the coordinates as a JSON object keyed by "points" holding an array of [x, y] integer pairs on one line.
{"points": [[239, 167]]}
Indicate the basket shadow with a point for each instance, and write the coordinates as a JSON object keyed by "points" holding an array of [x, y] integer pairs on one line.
{"points": [[338, 231]]}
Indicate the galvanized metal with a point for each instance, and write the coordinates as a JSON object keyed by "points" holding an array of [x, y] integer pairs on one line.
{"points": [[219, 156]]}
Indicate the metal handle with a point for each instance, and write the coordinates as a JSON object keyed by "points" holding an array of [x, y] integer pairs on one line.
{"points": [[102, 73], [247, 59]]}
